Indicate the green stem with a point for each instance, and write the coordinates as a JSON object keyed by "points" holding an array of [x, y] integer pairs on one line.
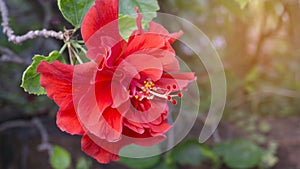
{"points": [[77, 56], [63, 48], [78, 46]]}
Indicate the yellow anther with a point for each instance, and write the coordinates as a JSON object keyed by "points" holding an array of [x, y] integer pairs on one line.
{"points": [[136, 96]]}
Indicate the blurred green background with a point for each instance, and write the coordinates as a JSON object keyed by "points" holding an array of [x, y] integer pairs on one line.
{"points": [[259, 44]]}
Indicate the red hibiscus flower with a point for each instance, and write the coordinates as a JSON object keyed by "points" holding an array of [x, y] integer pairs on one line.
{"points": [[121, 96]]}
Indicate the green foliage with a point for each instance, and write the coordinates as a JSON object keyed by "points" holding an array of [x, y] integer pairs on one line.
{"points": [[139, 151], [83, 163], [239, 154], [140, 163], [233, 7], [269, 156], [188, 153], [148, 8], [164, 165], [74, 10], [242, 3], [60, 158], [236, 154], [127, 25], [127, 14], [31, 79], [210, 155]]}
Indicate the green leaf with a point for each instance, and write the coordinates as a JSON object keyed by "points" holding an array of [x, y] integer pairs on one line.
{"points": [[269, 158], [139, 163], [31, 79], [126, 25], [188, 153], [164, 165], [210, 154], [242, 3], [221, 148], [60, 158], [242, 154], [83, 163], [139, 151], [74, 10], [127, 7], [127, 14]]}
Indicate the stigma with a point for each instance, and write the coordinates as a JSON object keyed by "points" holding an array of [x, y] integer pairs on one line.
{"points": [[148, 90]]}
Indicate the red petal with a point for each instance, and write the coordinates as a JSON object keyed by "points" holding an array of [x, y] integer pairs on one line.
{"points": [[158, 107], [113, 148], [56, 78], [159, 29], [128, 137], [67, 121], [100, 31], [136, 127], [144, 41], [93, 99], [145, 139], [84, 95], [156, 130], [95, 151], [103, 89], [102, 13], [112, 124], [109, 127], [156, 43], [120, 94], [146, 65], [179, 79], [167, 58]]}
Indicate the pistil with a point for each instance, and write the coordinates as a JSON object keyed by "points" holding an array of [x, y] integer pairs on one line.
{"points": [[149, 91]]}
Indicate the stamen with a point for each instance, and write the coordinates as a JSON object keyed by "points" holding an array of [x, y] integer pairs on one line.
{"points": [[149, 91], [174, 86], [174, 102], [158, 95], [169, 98]]}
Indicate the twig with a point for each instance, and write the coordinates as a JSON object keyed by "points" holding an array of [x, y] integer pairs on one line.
{"points": [[264, 35], [70, 54], [14, 124], [76, 55], [45, 145], [7, 30], [35, 122]]}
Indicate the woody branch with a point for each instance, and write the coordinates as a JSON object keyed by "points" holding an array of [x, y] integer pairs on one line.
{"points": [[7, 30]]}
